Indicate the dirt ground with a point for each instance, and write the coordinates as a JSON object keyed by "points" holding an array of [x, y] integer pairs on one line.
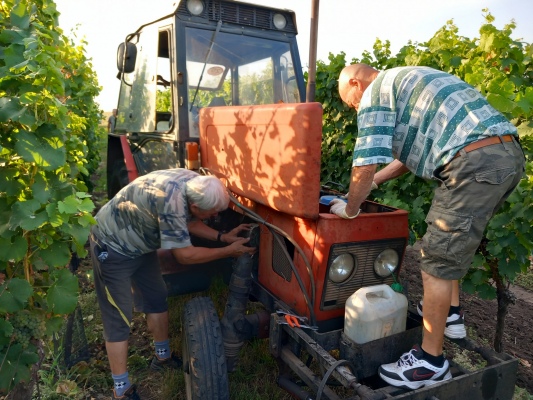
{"points": [[480, 316]]}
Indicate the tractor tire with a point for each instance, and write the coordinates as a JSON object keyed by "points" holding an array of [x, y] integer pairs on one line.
{"points": [[204, 362], [117, 178]]}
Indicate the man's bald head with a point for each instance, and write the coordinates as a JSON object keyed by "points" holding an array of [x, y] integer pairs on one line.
{"points": [[353, 80]]}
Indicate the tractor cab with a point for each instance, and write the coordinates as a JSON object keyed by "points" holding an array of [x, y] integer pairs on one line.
{"points": [[206, 54]]}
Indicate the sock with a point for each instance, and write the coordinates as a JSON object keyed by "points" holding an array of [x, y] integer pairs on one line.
{"points": [[162, 350], [454, 310], [437, 361], [122, 383]]}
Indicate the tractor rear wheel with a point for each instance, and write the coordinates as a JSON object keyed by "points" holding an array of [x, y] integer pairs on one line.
{"points": [[204, 362], [117, 178]]}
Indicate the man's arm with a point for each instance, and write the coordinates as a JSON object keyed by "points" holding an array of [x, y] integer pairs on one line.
{"points": [[391, 171], [198, 228], [197, 255], [360, 186]]}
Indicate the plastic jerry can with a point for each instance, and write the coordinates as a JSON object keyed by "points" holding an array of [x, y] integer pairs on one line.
{"points": [[374, 312]]}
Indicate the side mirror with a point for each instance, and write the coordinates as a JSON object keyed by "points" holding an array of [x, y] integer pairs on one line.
{"points": [[126, 56]]}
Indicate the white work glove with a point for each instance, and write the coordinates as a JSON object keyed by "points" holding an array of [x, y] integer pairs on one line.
{"points": [[338, 207], [374, 186]]}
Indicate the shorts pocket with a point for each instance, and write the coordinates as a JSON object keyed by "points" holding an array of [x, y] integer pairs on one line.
{"points": [[100, 250], [494, 176], [446, 236]]}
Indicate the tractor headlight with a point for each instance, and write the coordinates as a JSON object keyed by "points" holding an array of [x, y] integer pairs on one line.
{"points": [[342, 268], [195, 7], [386, 262], [279, 21]]}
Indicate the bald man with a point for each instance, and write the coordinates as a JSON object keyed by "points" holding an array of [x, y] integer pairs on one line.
{"points": [[436, 126]]}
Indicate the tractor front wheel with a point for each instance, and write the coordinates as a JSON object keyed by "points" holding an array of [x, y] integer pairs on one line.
{"points": [[204, 362]]}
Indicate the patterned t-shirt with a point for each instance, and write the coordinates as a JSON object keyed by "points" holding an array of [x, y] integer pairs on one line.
{"points": [[150, 213], [422, 117]]}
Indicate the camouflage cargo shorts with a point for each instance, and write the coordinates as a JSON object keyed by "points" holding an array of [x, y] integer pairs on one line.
{"points": [[473, 186]]}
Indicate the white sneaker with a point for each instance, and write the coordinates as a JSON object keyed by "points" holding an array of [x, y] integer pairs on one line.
{"points": [[455, 323], [411, 371]]}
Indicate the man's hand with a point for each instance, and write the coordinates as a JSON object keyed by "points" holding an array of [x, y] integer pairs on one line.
{"points": [[197, 255], [338, 207], [238, 248], [233, 235]]}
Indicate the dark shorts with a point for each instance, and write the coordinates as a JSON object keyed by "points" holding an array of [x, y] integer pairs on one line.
{"points": [[473, 186], [125, 284]]}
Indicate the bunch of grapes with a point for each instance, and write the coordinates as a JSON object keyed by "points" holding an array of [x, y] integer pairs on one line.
{"points": [[27, 326]]}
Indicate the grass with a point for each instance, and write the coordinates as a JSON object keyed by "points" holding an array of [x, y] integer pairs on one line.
{"points": [[255, 377], [521, 394], [525, 279], [473, 361]]}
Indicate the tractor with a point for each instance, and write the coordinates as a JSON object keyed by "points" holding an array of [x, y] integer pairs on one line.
{"points": [[217, 86]]}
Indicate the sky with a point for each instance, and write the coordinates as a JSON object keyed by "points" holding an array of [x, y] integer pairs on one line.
{"points": [[351, 26]]}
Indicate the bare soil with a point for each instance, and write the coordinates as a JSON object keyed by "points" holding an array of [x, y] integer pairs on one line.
{"points": [[480, 318]]}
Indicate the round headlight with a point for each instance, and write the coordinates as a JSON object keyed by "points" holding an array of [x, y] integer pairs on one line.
{"points": [[279, 21], [386, 262], [341, 268], [195, 7]]}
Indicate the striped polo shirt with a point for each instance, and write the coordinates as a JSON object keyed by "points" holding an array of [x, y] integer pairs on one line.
{"points": [[422, 117]]}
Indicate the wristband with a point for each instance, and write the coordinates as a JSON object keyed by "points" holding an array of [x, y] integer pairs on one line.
{"points": [[219, 236]]}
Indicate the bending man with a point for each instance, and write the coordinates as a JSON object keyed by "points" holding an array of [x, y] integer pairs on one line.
{"points": [[157, 210], [436, 126]]}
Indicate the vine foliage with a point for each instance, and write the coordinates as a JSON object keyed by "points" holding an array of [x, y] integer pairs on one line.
{"points": [[48, 120], [501, 69]]}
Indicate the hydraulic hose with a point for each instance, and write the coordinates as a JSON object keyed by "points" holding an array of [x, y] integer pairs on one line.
{"points": [[254, 216], [277, 231], [239, 288]]}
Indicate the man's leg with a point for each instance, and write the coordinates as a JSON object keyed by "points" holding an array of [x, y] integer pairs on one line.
{"points": [[158, 325], [117, 352], [455, 293], [164, 358], [150, 297], [112, 284], [437, 300]]}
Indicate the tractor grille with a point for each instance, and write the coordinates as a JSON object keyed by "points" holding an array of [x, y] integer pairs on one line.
{"points": [[280, 264], [335, 294], [232, 12]]}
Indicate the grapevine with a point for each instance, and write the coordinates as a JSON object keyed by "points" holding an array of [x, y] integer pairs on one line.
{"points": [[27, 327], [49, 123]]}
